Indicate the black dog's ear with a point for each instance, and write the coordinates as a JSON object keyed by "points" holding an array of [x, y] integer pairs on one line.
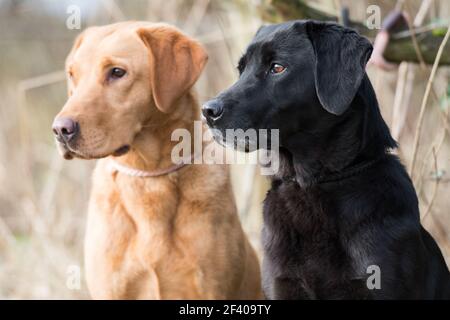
{"points": [[341, 57]]}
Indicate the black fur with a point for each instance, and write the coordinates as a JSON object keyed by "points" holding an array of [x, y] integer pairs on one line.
{"points": [[340, 202]]}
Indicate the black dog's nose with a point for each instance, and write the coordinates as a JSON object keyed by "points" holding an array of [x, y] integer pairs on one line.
{"points": [[212, 109], [65, 128]]}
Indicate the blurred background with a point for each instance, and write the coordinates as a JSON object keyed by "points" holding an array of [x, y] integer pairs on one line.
{"points": [[43, 198]]}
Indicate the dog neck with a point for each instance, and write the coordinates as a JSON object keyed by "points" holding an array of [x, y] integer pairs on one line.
{"points": [[357, 141], [150, 153]]}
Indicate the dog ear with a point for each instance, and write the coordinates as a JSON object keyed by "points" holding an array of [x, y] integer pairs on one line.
{"points": [[341, 56], [176, 63]]}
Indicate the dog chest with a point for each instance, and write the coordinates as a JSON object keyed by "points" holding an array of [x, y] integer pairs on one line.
{"points": [[303, 249]]}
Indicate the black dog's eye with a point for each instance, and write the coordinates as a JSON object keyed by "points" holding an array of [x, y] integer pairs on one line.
{"points": [[277, 68], [116, 73]]}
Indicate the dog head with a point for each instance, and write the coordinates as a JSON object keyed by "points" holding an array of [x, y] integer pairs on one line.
{"points": [[121, 78], [299, 76]]}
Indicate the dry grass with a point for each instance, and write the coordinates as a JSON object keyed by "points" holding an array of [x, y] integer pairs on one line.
{"points": [[43, 198]]}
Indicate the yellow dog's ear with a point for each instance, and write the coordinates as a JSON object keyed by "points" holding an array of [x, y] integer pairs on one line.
{"points": [[176, 63]]}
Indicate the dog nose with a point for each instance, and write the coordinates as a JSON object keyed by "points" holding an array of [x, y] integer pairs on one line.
{"points": [[65, 128], [212, 109]]}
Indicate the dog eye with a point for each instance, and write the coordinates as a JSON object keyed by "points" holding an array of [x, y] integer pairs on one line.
{"points": [[277, 68], [117, 73]]}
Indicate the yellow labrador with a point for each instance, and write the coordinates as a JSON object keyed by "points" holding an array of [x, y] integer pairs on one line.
{"points": [[173, 233]]}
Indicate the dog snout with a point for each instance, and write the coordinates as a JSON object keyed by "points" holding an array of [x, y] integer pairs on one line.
{"points": [[65, 129], [212, 110]]}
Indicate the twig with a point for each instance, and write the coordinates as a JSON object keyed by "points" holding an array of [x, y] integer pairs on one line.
{"points": [[195, 16], [41, 80], [50, 185], [417, 30], [425, 100], [435, 188], [438, 146], [421, 13], [398, 113], [225, 40], [411, 27]]}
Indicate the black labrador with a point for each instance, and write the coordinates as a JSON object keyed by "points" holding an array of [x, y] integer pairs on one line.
{"points": [[341, 219]]}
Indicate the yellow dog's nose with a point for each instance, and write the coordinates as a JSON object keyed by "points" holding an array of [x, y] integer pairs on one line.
{"points": [[65, 129]]}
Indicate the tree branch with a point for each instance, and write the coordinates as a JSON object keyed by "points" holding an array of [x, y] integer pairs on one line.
{"points": [[400, 47]]}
